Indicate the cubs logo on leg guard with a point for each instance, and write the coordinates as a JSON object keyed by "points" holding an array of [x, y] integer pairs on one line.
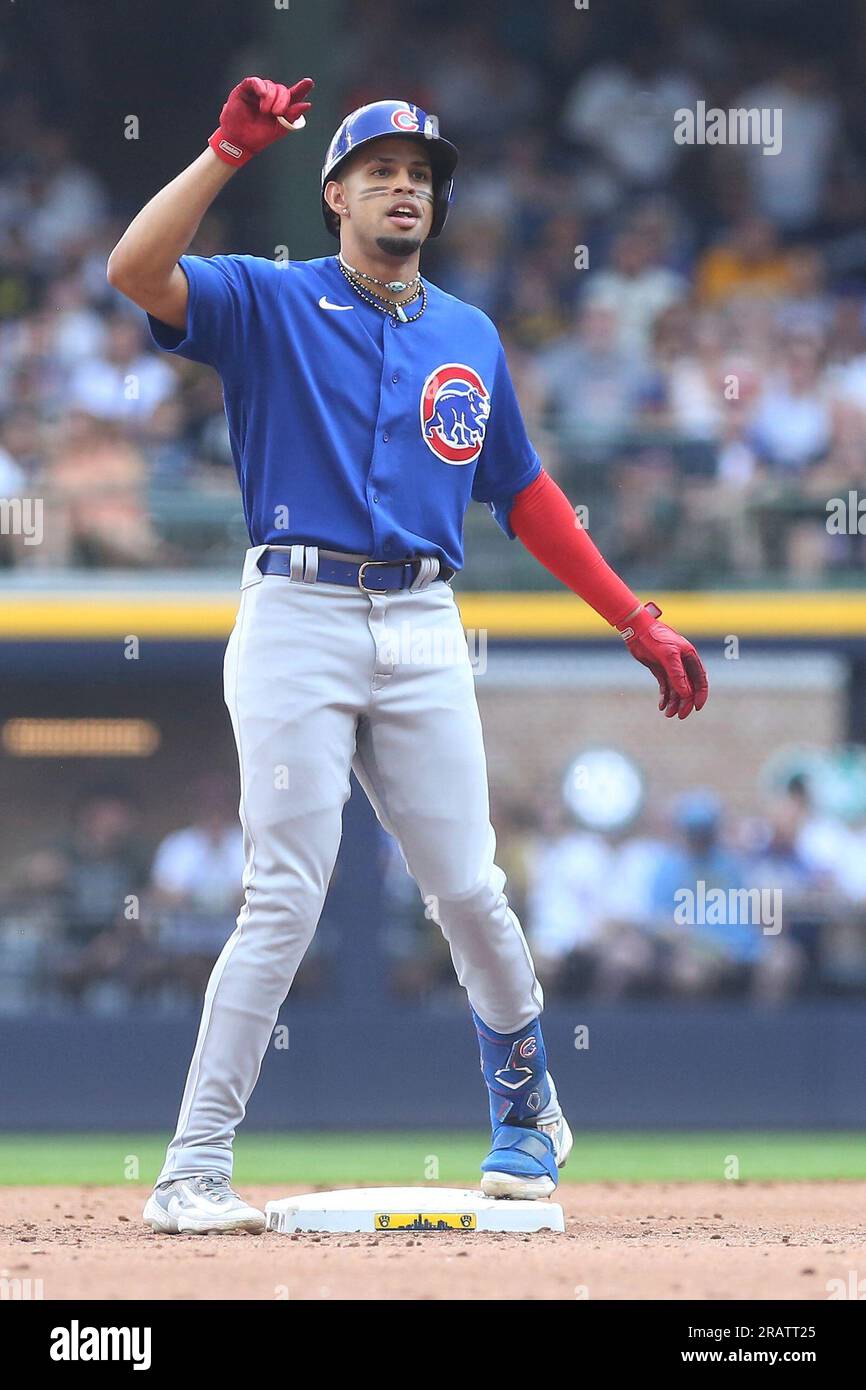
{"points": [[515, 1069]]}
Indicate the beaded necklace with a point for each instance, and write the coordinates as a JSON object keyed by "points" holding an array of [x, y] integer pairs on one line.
{"points": [[387, 306], [387, 284]]}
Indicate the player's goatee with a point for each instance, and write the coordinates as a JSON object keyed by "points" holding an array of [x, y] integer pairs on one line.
{"points": [[398, 245]]}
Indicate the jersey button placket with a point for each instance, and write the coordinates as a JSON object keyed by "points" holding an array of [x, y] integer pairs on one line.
{"points": [[377, 477]]}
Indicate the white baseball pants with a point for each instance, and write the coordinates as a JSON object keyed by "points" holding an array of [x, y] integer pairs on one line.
{"points": [[322, 679]]}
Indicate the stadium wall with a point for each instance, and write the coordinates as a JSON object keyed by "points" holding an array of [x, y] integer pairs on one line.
{"points": [[647, 1066]]}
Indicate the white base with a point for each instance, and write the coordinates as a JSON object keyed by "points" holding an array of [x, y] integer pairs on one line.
{"points": [[382, 1209]]}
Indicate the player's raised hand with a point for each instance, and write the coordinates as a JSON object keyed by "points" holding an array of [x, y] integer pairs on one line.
{"points": [[257, 113], [672, 659]]}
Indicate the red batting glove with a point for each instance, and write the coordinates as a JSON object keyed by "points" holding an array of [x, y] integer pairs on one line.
{"points": [[248, 121], [671, 658]]}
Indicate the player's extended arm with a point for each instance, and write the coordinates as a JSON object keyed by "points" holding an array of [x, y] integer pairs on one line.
{"points": [[544, 520], [144, 263]]}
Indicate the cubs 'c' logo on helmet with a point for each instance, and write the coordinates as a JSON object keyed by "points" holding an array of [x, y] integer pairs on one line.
{"points": [[455, 407], [405, 118]]}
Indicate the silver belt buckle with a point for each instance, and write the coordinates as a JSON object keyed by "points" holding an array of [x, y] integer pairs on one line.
{"points": [[366, 564]]}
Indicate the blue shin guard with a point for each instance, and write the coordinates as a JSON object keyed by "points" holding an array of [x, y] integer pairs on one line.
{"points": [[514, 1066]]}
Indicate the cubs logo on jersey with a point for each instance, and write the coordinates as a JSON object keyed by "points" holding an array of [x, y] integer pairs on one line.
{"points": [[455, 408]]}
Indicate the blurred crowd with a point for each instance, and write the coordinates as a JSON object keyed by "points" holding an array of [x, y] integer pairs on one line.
{"points": [[100, 919], [684, 323], [92, 418], [695, 903]]}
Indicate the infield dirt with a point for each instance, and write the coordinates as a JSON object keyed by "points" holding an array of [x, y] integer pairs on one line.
{"points": [[666, 1240]]}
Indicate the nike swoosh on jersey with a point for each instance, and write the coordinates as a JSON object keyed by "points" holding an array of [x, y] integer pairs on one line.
{"points": [[324, 304]]}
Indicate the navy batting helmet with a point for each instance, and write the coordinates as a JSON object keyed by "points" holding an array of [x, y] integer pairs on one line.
{"points": [[392, 118]]}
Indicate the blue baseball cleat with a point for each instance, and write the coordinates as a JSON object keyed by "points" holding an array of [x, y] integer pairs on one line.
{"points": [[524, 1163], [531, 1139]]}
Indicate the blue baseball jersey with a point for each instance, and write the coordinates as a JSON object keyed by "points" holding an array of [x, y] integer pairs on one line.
{"points": [[350, 430]]}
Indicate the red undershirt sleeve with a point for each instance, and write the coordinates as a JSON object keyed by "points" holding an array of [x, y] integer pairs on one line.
{"points": [[544, 520]]}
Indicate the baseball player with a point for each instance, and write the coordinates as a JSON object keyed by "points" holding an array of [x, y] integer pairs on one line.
{"points": [[366, 409]]}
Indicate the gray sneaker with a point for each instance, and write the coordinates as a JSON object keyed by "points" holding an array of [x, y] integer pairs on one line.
{"points": [[199, 1205]]}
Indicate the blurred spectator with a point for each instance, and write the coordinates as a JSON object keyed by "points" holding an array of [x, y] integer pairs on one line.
{"points": [[624, 112], [95, 879], [820, 862], [100, 864], [635, 290], [201, 866], [475, 270], [748, 260], [167, 453], [23, 437], [847, 338], [196, 885], [714, 946], [738, 453], [774, 847], [80, 332], [636, 855], [823, 842], [536, 310], [568, 876], [594, 387], [59, 201], [651, 502], [95, 487], [125, 382], [807, 307], [31, 373], [520, 191], [629, 962], [531, 389], [848, 378], [792, 424], [690, 382], [789, 186]]}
